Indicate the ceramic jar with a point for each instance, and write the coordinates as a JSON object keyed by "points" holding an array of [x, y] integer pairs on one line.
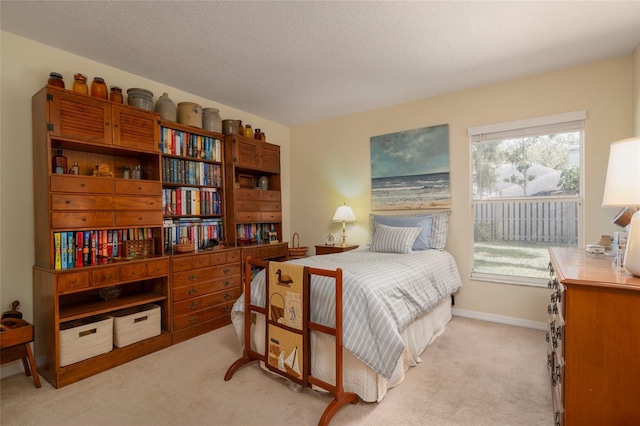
{"points": [[230, 127], [167, 108], [99, 88], [80, 84], [211, 120], [55, 79], [190, 113], [116, 95], [263, 183], [140, 98]]}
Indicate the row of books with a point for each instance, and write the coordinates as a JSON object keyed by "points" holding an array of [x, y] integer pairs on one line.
{"points": [[187, 172], [191, 201], [185, 144], [200, 232], [257, 232], [75, 249]]}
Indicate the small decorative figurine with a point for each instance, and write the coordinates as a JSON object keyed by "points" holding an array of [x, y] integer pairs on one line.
{"points": [[102, 169]]}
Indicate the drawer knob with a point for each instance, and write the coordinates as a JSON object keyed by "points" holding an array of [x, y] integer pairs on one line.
{"points": [[83, 185], [192, 277], [226, 308], [192, 305], [227, 296], [73, 281], [193, 319], [226, 283], [84, 219], [192, 291], [226, 270], [139, 188], [67, 202], [106, 277]]}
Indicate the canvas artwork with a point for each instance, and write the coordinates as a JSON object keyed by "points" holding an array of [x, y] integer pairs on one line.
{"points": [[410, 169]]}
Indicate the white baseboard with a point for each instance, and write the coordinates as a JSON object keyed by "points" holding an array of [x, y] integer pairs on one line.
{"points": [[483, 316], [11, 369]]}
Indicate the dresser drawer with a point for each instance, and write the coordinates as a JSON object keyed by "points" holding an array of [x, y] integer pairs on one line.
{"points": [[194, 318], [247, 194], [70, 282], [247, 216], [158, 268], [82, 220], [139, 218], [138, 187], [271, 216], [247, 205], [198, 276], [278, 250], [133, 271], [81, 184], [270, 195], [204, 302], [201, 289], [105, 276]]}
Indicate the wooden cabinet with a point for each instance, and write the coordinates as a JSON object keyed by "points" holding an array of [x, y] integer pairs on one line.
{"points": [[593, 340], [252, 212], [204, 288], [102, 122], [92, 132], [325, 249]]}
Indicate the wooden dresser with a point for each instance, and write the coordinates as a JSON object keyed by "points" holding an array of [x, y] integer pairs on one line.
{"points": [[594, 340]]}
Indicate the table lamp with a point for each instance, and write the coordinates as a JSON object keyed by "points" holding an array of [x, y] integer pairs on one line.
{"points": [[344, 214], [622, 189]]}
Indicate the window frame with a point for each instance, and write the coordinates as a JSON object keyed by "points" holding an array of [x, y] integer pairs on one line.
{"points": [[548, 120]]}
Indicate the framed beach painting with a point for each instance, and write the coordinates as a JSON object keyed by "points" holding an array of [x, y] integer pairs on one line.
{"points": [[410, 169]]}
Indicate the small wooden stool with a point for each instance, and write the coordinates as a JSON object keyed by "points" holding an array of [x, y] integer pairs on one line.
{"points": [[15, 336]]}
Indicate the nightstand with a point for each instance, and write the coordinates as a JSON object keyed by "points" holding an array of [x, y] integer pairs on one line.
{"points": [[325, 249]]}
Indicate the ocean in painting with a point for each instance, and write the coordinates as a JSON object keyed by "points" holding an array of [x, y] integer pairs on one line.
{"points": [[411, 192]]}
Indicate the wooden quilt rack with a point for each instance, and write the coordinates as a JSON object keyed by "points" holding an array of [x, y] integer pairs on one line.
{"points": [[305, 377]]}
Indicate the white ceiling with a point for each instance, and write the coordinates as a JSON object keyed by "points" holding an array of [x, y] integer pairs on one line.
{"points": [[296, 62]]}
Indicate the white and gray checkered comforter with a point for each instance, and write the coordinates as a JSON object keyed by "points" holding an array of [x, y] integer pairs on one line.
{"points": [[382, 294]]}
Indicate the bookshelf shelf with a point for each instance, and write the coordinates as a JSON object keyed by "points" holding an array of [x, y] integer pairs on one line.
{"points": [[83, 220]]}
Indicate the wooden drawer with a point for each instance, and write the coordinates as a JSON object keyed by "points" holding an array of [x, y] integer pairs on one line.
{"points": [[233, 256], [270, 195], [104, 202], [201, 289], [138, 218], [247, 205], [181, 263], [71, 282], [271, 206], [81, 184], [184, 321], [105, 276], [247, 194], [74, 220], [207, 301], [133, 271], [138, 187], [200, 261], [247, 216], [271, 216], [279, 250], [198, 276], [158, 268]]}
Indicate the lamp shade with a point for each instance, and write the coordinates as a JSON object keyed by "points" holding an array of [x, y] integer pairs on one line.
{"points": [[344, 214], [622, 187]]}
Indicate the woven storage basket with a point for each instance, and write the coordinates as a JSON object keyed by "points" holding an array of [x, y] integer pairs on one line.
{"points": [[139, 248], [185, 246], [134, 324], [297, 251], [85, 338]]}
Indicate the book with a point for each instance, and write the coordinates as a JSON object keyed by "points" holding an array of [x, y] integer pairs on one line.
{"points": [[63, 250], [71, 249], [93, 247], [110, 243], [79, 249], [57, 251], [86, 248]]}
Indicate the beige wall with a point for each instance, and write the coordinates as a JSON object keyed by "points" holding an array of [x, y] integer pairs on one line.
{"points": [[331, 164], [25, 68]]}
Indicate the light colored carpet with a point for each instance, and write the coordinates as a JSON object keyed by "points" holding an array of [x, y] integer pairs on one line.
{"points": [[476, 373]]}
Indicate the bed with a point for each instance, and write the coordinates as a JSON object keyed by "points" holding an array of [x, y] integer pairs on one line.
{"points": [[396, 301]]}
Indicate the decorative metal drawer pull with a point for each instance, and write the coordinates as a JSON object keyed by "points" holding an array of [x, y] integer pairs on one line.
{"points": [[226, 283], [226, 270], [192, 291], [227, 296], [192, 305], [193, 319], [192, 277]]}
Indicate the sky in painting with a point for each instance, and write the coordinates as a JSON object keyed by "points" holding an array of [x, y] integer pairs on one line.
{"points": [[411, 152]]}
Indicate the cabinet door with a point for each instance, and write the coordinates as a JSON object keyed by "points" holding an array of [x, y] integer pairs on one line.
{"points": [[79, 117], [246, 154], [134, 128], [270, 158]]}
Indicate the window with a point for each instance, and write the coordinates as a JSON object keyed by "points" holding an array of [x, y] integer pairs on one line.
{"points": [[526, 197]]}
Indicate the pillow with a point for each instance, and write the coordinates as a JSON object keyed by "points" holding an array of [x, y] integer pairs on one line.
{"points": [[424, 222], [394, 239], [439, 226]]}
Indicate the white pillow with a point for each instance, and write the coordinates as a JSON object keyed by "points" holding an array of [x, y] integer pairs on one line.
{"points": [[394, 239]]}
